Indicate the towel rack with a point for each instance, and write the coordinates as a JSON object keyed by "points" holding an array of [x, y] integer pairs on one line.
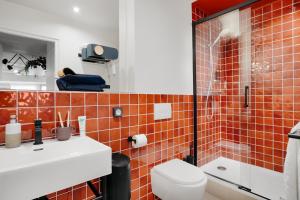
{"points": [[295, 135]]}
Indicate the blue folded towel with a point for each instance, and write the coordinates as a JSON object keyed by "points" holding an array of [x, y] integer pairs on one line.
{"points": [[81, 82]]}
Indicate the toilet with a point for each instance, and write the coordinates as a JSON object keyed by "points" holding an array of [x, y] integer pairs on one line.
{"points": [[177, 180]]}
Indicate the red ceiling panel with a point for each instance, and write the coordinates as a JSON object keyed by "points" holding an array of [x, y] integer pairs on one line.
{"points": [[210, 7]]}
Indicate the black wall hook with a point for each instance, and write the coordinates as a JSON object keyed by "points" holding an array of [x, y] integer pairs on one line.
{"points": [[130, 139]]}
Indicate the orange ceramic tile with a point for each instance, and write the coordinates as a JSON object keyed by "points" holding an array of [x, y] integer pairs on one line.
{"points": [[103, 111], [114, 99], [115, 134], [116, 146], [27, 115], [45, 99], [135, 195], [79, 194], [103, 136], [27, 99], [63, 191], [103, 99], [125, 110], [103, 124], [93, 135], [5, 114], [77, 99], [134, 99], [157, 98], [124, 144], [46, 114], [142, 109], [27, 132], [63, 99], [124, 98], [91, 111], [76, 112], [115, 123], [125, 121], [8, 99], [142, 119], [133, 120], [150, 98], [125, 133], [47, 129], [91, 125], [142, 98], [164, 98], [90, 98], [150, 108], [133, 110], [65, 196]]}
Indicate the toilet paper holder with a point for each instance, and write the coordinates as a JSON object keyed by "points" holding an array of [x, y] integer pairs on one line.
{"points": [[130, 139], [138, 141]]}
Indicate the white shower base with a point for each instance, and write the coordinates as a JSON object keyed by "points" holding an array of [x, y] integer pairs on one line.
{"points": [[261, 181]]}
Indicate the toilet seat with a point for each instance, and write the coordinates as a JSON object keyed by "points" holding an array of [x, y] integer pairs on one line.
{"points": [[177, 180], [180, 172]]}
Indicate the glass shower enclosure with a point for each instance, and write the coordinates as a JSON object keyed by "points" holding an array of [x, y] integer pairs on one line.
{"points": [[236, 94]]}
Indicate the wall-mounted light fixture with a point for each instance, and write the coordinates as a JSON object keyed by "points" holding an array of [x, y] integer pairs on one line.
{"points": [[29, 64], [7, 62]]}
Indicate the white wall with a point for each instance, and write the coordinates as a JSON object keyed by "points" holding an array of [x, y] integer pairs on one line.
{"points": [[155, 43], [163, 47], [71, 37], [127, 45]]}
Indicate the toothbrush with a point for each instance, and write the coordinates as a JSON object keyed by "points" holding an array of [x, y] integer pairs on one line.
{"points": [[60, 120], [68, 119]]}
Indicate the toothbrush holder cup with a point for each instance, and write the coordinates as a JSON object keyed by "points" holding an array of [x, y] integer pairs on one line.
{"points": [[63, 133]]}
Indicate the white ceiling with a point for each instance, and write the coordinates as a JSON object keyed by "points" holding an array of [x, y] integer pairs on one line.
{"points": [[98, 13]]}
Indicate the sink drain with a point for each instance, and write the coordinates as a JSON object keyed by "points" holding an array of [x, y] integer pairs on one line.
{"points": [[221, 168]]}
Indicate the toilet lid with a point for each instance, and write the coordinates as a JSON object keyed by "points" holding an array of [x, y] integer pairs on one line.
{"points": [[180, 172]]}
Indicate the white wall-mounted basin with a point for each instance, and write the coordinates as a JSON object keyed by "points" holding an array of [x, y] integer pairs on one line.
{"points": [[31, 171]]}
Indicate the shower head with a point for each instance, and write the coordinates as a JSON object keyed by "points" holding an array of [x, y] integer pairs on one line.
{"points": [[223, 33], [230, 23]]}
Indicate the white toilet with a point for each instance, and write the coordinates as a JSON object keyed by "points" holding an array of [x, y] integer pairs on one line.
{"points": [[177, 180]]}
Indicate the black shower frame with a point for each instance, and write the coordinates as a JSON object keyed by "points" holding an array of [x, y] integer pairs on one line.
{"points": [[195, 23]]}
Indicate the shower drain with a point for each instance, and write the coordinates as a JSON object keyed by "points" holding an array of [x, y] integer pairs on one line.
{"points": [[221, 168]]}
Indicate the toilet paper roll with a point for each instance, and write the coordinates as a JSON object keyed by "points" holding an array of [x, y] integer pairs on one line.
{"points": [[139, 141]]}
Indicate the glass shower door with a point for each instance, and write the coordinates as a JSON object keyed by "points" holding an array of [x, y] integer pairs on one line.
{"points": [[223, 49]]}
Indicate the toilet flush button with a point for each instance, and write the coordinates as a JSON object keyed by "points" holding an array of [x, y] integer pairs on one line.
{"points": [[162, 111]]}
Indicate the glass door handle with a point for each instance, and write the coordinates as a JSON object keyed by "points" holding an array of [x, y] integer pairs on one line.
{"points": [[246, 105]]}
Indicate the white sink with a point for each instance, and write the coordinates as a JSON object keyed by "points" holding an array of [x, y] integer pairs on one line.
{"points": [[31, 171]]}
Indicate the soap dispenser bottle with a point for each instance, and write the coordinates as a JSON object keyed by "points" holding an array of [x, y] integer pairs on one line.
{"points": [[13, 133]]}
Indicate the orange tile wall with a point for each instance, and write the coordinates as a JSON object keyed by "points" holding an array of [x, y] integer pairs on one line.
{"points": [[167, 139], [274, 87], [197, 13]]}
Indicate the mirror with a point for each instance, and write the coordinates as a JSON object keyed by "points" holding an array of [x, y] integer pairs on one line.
{"points": [[40, 38]]}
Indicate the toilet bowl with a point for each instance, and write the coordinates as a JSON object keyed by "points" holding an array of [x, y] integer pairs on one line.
{"points": [[177, 180]]}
